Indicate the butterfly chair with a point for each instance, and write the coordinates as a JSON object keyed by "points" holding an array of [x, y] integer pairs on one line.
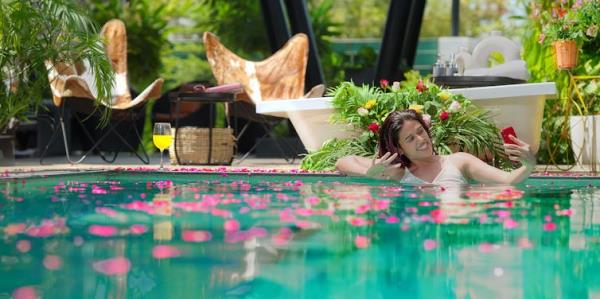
{"points": [[281, 76], [74, 86]]}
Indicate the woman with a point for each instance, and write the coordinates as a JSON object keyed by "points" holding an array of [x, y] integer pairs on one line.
{"points": [[406, 154]]}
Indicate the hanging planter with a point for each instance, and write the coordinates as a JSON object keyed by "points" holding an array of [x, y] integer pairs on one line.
{"points": [[566, 54]]}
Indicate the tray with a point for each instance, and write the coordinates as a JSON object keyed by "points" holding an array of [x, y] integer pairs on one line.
{"points": [[474, 81]]}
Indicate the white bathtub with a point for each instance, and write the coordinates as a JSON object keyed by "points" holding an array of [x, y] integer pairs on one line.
{"points": [[520, 106]]}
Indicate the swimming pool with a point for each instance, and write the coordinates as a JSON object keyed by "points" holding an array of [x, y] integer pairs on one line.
{"points": [[157, 235]]}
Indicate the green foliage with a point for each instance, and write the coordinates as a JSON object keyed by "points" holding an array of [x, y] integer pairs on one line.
{"points": [[324, 159], [555, 145], [239, 25], [324, 29], [32, 32], [577, 21], [412, 78], [456, 124], [146, 22], [185, 62]]}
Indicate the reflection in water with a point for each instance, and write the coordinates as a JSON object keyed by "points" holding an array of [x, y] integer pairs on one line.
{"points": [[119, 236]]}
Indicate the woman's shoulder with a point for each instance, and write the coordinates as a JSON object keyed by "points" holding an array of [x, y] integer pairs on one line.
{"points": [[459, 159]]}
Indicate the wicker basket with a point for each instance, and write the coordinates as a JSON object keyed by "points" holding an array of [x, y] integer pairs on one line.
{"points": [[192, 146]]}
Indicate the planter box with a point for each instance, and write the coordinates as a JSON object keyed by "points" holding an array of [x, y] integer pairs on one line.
{"points": [[7, 150], [585, 136]]}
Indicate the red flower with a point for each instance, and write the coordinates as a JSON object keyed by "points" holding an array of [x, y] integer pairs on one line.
{"points": [[384, 83], [374, 127], [444, 115], [421, 86]]}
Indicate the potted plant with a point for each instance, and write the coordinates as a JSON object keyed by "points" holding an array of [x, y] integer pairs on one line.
{"points": [[456, 124], [584, 122], [31, 33], [566, 26]]}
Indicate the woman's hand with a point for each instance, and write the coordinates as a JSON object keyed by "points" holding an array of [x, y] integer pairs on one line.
{"points": [[520, 152], [383, 168]]}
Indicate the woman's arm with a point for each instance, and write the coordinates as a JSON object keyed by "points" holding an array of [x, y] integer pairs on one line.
{"points": [[381, 168], [482, 172], [353, 165]]}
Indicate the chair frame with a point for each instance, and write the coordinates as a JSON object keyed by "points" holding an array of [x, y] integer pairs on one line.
{"points": [[129, 115]]}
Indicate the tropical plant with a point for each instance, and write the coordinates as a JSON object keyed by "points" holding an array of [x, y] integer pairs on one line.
{"points": [[555, 145], [456, 124], [33, 32]]}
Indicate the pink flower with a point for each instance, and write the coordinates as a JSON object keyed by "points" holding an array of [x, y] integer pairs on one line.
{"points": [[196, 236], [362, 111], [541, 38], [421, 87], [362, 242], [231, 225], [549, 226], [444, 115], [427, 119], [113, 266], [374, 127], [384, 84], [429, 244], [102, 230], [26, 292], [52, 262], [165, 252], [454, 106]]}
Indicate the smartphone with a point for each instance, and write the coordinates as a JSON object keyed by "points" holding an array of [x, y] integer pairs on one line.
{"points": [[507, 132]]}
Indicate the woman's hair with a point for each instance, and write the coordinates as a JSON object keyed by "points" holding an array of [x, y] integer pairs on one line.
{"points": [[390, 131]]}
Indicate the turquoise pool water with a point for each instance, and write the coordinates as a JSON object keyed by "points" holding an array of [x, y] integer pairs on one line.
{"points": [[162, 235]]}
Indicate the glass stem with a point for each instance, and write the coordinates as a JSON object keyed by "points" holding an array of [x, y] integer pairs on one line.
{"points": [[161, 160]]}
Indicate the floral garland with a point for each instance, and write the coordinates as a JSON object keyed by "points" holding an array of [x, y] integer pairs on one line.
{"points": [[456, 124]]}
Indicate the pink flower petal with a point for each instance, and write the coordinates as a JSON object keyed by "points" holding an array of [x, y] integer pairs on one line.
{"points": [[392, 219], [102, 230], [549, 226], [137, 229], [231, 225], [27, 292], [113, 266], [283, 237], [485, 247], [430, 244], [438, 216], [510, 223], [165, 252], [196, 236], [362, 242], [304, 212], [313, 200], [52, 262], [525, 243], [23, 246], [358, 221], [13, 229]]}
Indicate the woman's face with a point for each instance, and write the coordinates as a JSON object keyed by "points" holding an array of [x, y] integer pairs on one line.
{"points": [[414, 141]]}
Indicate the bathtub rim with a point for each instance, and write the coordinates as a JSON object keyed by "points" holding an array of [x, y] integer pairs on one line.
{"points": [[526, 90]]}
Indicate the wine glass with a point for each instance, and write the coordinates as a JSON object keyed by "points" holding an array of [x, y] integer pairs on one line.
{"points": [[162, 138]]}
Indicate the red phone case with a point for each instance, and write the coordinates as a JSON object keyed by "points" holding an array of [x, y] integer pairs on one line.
{"points": [[507, 132]]}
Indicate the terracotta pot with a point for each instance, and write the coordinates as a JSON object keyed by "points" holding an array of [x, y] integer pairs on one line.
{"points": [[566, 54]]}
